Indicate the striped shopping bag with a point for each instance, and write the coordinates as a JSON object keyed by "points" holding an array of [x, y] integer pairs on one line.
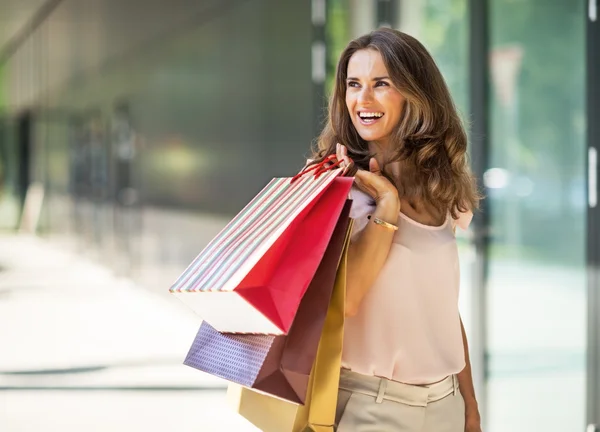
{"points": [[251, 277]]}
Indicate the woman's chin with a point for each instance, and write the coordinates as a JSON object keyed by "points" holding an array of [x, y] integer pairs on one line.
{"points": [[370, 136]]}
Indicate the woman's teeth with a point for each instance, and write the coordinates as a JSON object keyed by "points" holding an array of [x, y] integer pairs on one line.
{"points": [[369, 117]]}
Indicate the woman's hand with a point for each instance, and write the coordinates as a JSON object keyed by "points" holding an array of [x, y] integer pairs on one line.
{"points": [[372, 182], [473, 423]]}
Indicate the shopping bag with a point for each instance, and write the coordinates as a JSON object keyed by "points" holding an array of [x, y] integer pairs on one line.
{"points": [[277, 365], [252, 276], [271, 414]]}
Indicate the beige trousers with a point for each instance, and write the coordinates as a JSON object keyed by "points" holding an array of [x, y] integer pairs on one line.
{"points": [[372, 404]]}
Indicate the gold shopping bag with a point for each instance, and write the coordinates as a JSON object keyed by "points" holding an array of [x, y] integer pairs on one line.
{"points": [[271, 414]]}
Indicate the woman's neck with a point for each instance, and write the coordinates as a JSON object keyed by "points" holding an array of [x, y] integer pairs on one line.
{"points": [[381, 151]]}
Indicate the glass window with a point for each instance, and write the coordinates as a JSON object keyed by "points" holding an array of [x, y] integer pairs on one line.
{"points": [[536, 316]]}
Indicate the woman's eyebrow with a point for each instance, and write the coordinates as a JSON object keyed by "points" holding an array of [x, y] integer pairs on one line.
{"points": [[374, 79]]}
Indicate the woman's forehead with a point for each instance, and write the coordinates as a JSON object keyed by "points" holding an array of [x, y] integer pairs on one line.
{"points": [[366, 63]]}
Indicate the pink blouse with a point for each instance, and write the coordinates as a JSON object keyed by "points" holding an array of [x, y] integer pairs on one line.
{"points": [[407, 327]]}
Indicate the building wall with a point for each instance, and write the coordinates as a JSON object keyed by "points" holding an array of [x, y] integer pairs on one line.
{"points": [[2, 88], [151, 116]]}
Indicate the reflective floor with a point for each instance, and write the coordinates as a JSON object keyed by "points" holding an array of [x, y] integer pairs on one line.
{"points": [[91, 352], [108, 411]]}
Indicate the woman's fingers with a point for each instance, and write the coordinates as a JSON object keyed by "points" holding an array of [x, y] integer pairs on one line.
{"points": [[360, 183], [374, 166], [373, 182], [347, 161], [362, 179], [341, 154]]}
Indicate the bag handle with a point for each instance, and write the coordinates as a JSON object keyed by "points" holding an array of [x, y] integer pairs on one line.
{"points": [[320, 168]]}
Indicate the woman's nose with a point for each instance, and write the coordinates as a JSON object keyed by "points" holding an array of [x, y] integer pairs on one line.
{"points": [[365, 95]]}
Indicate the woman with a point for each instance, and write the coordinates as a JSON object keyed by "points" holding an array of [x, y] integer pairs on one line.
{"points": [[392, 123]]}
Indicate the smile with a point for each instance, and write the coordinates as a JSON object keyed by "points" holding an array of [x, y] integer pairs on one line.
{"points": [[369, 117]]}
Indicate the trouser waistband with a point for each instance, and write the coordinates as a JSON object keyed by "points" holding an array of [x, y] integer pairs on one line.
{"points": [[383, 388]]}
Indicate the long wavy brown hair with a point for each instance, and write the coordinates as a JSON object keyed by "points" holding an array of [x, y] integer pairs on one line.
{"points": [[430, 140]]}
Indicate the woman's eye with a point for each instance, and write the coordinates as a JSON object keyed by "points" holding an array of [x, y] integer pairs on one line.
{"points": [[380, 84], [352, 84]]}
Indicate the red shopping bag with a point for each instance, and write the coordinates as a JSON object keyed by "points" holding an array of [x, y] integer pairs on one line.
{"points": [[252, 276], [277, 365]]}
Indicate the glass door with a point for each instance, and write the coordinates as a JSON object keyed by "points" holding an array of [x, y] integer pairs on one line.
{"points": [[10, 187], [593, 143], [536, 187]]}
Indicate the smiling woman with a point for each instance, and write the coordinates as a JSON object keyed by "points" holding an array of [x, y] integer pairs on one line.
{"points": [[393, 125]]}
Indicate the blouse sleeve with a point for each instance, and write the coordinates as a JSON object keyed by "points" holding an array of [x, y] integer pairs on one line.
{"points": [[362, 206], [464, 220]]}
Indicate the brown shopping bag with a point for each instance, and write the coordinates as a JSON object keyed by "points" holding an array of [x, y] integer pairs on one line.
{"points": [[271, 414], [277, 365]]}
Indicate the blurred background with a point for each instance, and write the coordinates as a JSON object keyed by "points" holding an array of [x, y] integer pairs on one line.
{"points": [[131, 131]]}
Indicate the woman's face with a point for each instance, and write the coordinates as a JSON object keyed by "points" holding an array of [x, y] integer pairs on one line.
{"points": [[375, 105]]}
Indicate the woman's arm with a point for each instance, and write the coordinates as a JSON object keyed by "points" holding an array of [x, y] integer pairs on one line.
{"points": [[370, 249], [465, 383], [367, 254]]}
